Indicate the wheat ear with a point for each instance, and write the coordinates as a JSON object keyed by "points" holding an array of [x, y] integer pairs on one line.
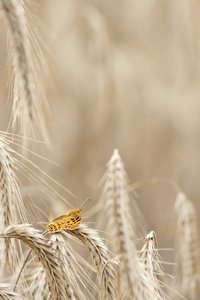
{"points": [[68, 267], [11, 203], [149, 286], [188, 247], [36, 282], [99, 253], [27, 106], [120, 225], [57, 281], [6, 294]]}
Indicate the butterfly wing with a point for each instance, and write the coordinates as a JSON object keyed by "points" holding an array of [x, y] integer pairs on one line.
{"points": [[69, 220], [73, 220]]}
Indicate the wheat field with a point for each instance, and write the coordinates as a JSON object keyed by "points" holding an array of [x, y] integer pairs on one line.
{"points": [[99, 100]]}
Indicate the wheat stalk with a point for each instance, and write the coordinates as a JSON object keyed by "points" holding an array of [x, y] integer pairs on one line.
{"points": [[57, 280], [99, 253], [188, 247], [27, 106]]}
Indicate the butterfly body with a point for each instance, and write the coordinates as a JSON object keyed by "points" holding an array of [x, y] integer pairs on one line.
{"points": [[68, 220]]}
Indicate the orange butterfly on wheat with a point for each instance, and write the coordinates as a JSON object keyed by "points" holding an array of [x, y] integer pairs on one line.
{"points": [[69, 220]]}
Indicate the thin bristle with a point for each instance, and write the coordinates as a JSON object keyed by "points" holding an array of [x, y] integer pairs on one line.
{"points": [[86, 201]]}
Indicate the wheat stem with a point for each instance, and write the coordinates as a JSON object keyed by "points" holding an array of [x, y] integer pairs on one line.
{"points": [[21, 270]]}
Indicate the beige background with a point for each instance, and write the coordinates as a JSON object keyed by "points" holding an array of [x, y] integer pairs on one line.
{"points": [[125, 75]]}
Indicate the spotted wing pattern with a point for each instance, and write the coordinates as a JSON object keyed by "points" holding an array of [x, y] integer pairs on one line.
{"points": [[69, 220]]}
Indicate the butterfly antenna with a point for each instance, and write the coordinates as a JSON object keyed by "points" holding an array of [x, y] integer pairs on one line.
{"points": [[87, 200]]}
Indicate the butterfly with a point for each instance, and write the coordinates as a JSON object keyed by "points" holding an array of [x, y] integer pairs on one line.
{"points": [[69, 220]]}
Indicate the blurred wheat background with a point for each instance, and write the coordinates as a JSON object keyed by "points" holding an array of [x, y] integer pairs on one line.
{"points": [[117, 75]]}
